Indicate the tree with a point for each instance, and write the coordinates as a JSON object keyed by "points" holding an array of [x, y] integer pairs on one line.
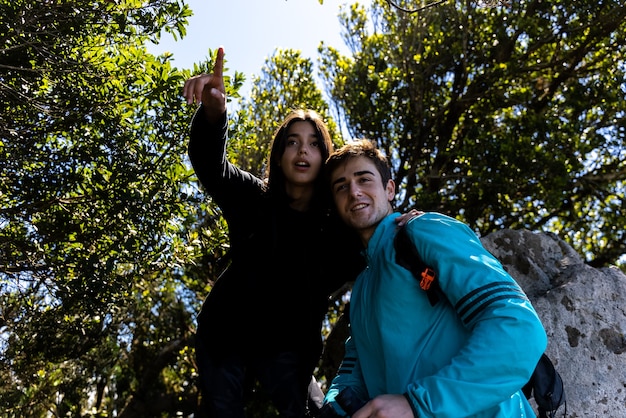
{"points": [[505, 117], [95, 204]]}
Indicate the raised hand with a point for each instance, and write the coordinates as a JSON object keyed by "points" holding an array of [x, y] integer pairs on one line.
{"points": [[209, 90]]}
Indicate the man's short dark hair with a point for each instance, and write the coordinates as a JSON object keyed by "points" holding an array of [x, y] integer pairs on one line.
{"points": [[359, 148]]}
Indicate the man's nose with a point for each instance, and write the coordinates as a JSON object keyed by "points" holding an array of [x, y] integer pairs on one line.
{"points": [[355, 190]]}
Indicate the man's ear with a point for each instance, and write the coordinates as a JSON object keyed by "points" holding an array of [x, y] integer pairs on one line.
{"points": [[390, 189]]}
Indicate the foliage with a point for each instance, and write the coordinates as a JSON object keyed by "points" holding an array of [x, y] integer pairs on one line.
{"points": [[95, 201], [505, 117]]}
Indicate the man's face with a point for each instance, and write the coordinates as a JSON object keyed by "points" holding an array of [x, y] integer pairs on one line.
{"points": [[360, 196]]}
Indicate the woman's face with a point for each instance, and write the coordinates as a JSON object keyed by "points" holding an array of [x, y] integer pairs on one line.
{"points": [[302, 160]]}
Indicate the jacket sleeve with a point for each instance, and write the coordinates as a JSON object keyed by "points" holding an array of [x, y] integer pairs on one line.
{"points": [[348, 375], [506, 337], [230, 187]]}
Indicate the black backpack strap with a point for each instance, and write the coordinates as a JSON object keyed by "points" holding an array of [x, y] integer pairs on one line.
{"points": [[408, 257]]}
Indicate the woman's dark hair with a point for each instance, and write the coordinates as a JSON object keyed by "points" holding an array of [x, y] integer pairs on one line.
{"points": [[274, 174]]}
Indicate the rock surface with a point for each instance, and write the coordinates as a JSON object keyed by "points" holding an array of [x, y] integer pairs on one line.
{"points": [[583, 310]]}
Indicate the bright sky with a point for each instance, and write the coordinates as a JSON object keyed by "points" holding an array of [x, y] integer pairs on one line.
{"points": [[251, 30]]}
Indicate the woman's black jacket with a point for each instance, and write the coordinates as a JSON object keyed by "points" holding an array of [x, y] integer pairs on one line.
{"points": [[284, 263]]}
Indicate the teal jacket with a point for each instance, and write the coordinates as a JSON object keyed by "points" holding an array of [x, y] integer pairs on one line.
{"points": [[466, 356]]}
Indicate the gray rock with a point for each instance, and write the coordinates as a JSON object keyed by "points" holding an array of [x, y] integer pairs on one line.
{"points": [[583, 312]]}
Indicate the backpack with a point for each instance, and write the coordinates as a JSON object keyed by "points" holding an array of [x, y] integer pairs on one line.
{"points": [[545, 384]]}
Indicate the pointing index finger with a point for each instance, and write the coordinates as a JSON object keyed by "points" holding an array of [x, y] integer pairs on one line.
{"points": [[218, 68]]}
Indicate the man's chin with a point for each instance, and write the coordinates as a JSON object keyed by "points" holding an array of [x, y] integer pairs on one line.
{"points": [[359, 221]]}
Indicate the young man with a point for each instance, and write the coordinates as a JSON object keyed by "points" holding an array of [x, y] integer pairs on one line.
{"points": [[469, 354]]}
